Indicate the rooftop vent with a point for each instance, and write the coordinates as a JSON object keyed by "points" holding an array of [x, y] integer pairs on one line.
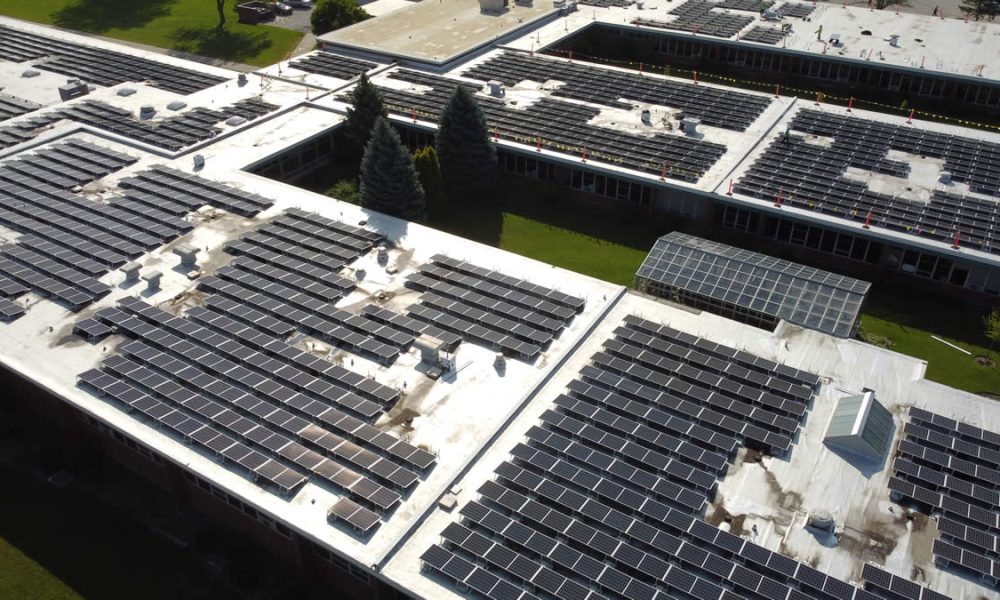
{"points": [[496, 88], [945, 177], [860, 426], [152, 279], [689, 126], [894, 41], [146, 111], [131, 271], [74, 88]]}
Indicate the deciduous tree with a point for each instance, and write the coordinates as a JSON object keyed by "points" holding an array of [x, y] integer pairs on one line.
{"points": [[329, 15]]}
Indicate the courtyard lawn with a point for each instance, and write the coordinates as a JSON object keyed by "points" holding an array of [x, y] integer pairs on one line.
{"points": [[909, 323], [22, 577], [570, 250], [180, 25]]}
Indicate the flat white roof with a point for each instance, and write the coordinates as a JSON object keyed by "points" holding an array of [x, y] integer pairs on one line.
{"points": [[437, 32], [774, 495], [470, 421], [949, 46]]}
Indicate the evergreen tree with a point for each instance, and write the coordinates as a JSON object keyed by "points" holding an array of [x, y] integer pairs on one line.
{"points": [[366, 107], [389, 182], [429, 169], [468, 158]]}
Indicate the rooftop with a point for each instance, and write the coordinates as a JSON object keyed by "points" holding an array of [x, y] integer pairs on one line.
{"points": [[926, 43], [282, 367], [436, 33]]}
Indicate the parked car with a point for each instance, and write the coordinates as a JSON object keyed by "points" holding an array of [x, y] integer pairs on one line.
{"points": [[282, 9], [307, 4]]}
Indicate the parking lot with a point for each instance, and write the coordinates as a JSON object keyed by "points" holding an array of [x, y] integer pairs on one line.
{"points": [[297, 21]]}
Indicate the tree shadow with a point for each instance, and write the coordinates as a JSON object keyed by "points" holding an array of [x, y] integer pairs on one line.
{"points": [[228, 45], [99, 16]]}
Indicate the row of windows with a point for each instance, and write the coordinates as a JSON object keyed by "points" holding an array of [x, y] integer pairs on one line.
{"points": [[298, 160], [526, 166], [124, 440], [612, 187], [912, 262], [238, 504], [824, 240], [800, 234], [340, 563]]}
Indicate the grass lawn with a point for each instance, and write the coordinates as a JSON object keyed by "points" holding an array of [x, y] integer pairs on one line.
{"points": [[604, 243], [910, 322], [570, 250], [182, 25], [21, 577]]}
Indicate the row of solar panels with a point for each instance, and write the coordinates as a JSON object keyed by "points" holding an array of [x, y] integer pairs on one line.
{"points": [[947, 467], [268, 395], [508, 314], [562, 126], [94, 65], [591, 83]]}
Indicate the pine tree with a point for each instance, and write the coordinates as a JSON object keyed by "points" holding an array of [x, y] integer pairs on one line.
{"points": [[389, 182], [468, 158], [429, 169], [366, 107]]}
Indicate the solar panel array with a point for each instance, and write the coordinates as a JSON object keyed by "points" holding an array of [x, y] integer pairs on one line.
{"points": [[12, 106], [796, 9], [887, 585], [274, 413], [63, 235], [67, 241], [333, 65], [24, 129], [285, 277], [608, 3], [177, 192], [717, 107], [763, 34], [562, 126], [507, 314], [812, 176], [757, 6], [698, 16], [172, 133], [94, 65], [603, 498], [798, 294], [949, 468]]}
